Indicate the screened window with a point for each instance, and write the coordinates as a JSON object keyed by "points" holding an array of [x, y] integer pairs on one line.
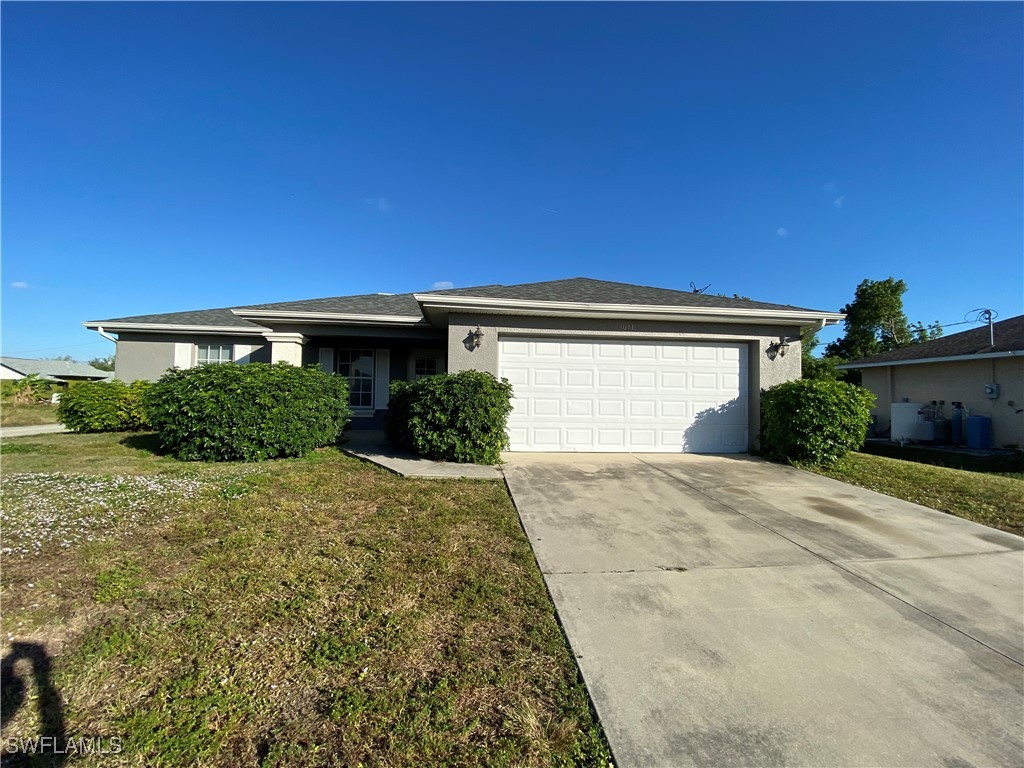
{"points": [[357, 366], [213, 353]]}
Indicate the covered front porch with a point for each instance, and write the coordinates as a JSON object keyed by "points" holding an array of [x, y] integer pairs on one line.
{"points": [[369, 358]]}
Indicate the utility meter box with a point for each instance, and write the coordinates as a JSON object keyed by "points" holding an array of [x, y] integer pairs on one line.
{"points": [[992, 391]]}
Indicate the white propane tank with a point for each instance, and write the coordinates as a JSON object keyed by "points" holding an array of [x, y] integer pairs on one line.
{"points": [[905, 424]]}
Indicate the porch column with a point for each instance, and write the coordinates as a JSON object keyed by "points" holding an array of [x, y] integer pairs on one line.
{"points": [[286, 347]]}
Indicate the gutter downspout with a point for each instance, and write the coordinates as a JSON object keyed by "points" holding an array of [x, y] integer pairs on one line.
{"points": [[104, 334]]}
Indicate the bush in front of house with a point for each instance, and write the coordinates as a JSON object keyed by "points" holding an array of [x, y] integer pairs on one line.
{"points": [[103, 406], [816, 421], [451, 417], [247, 412]]}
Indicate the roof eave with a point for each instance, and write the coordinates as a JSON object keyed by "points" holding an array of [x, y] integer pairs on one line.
{"points": [[95, 325], [332, 318], [923, 360], [802, 318]]}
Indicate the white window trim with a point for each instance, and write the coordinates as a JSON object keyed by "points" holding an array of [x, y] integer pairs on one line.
{"points": [[361, 411], [229, 347]]}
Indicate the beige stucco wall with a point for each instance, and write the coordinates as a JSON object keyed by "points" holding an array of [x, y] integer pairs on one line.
{"points": [[763, 373], [148, 355], [962, 381]]}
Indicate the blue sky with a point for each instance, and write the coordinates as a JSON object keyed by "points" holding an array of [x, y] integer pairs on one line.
{"points": [[162, 157]]}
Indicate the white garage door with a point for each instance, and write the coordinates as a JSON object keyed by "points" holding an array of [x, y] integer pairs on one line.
{"points": [[625, 396]]}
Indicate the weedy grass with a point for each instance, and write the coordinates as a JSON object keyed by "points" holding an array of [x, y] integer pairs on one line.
{"points": [[990, 499], [27, 414], [321, 612]]}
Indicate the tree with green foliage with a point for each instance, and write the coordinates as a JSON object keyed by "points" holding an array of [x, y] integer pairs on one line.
{"points": [[103, 363], [815, 367], [875, 322]]}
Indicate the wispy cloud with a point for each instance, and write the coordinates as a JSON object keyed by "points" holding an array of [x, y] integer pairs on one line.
{"points": [[382, 204], [782, 232], [838, 202], [441, 285], [549, 210], [19, 284], [829, 187]]}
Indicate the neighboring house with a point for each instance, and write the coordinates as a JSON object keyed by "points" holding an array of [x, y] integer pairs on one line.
{"points": [[50, 370], [595, 365], [984, 372]]}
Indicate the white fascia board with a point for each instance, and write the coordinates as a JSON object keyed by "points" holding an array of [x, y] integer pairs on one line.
{"points": [[628, 311], [923, 360], [172, 328], [327, 317]]}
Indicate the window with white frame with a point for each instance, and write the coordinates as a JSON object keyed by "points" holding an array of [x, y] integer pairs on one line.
{"points": [[357, 366], [213, 353]]}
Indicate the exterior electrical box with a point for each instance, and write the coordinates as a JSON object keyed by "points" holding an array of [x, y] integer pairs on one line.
{"points": [[992, 391]]}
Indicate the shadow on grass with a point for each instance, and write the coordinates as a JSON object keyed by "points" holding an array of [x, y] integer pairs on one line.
{"points": [[145, 441], [48, 748]]}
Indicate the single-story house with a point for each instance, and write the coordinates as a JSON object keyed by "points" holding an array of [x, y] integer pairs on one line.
{"points": [[983, 368], [594, 365], [13, 368]]}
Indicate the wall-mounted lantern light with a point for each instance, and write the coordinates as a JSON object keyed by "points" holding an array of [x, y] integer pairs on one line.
{"points": [[477, 337], [777, 348]]}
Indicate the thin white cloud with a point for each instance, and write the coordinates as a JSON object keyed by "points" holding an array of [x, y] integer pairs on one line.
{"points": [[782, 232], [382, 204], [19, 284], [549, 210], [441, 285], [829, 187], [838, 202]]}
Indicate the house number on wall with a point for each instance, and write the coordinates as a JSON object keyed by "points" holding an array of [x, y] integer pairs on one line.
{"points": [[628, 327]]}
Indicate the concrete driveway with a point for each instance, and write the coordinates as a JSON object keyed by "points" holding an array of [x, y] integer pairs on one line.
{"points": [[728, 612]]}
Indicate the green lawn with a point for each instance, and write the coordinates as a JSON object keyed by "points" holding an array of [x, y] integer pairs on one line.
{"points": [[300, 612], [991, 499], [27, 414]]}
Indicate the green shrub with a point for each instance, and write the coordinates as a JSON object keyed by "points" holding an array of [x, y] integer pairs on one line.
{"points": [[814, 420], [247, 412], [103, 406], [451, 417]]}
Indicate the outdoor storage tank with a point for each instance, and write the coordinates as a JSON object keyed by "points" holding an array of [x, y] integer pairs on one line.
{"points": [[905, 421], [979, 432]]}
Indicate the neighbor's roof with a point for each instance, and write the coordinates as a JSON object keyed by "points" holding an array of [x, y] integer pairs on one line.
{"points": [[54, 369], [405, 305], [1008, 335]]}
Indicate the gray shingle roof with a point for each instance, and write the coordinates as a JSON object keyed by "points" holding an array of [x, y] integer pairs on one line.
{"points": [[222, 316], [1008, 335], [365, 304], [577, 289], [588, 290], [54, 369]]}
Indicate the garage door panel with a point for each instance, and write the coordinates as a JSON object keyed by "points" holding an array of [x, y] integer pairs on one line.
{"points": [[579, 378], [587, 395]]}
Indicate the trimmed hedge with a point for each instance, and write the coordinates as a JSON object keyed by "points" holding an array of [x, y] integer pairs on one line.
{"points": [[816, 421], [247, 412], [103, 406], [451, 417]]}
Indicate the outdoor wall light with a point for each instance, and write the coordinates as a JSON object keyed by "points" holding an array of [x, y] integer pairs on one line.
{"points": [[477, 336], [777, 348]]}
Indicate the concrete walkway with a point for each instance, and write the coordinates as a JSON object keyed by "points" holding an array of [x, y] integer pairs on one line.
{"points": [[37, 429], [731, 612], [371, 446]]}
